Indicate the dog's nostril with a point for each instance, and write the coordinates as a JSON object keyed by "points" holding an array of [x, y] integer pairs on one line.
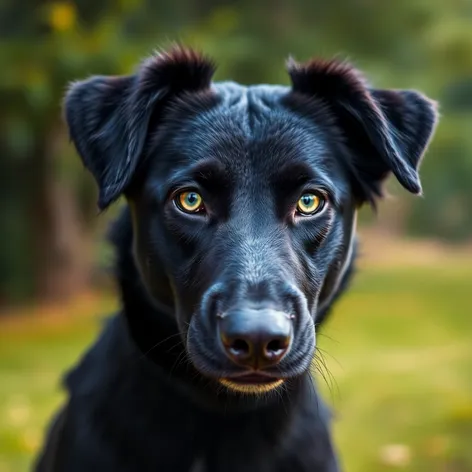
{"points": [[276, 346], [240, 347]]}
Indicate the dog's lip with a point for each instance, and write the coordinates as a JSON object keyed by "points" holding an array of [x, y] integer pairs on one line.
{"points": [[252, 378]]}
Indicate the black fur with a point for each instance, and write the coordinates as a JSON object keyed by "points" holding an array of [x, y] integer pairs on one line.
{"points": [[388, 129], [109, 117], [148, 395]]}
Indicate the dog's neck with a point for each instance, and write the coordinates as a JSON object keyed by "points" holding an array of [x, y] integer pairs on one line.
{"points": [[153, 330]]}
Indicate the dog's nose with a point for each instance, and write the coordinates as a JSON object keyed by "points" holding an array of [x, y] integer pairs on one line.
{"points": [[256, 338]]}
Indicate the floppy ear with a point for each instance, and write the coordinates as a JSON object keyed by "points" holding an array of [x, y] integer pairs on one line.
{"points": [[109, 117], [386, 130]]}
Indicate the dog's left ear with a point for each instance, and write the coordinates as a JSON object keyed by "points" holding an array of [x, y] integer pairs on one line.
{"points": [[109, 118], [386, 130]]}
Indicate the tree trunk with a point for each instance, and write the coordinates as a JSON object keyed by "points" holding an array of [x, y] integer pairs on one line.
{"points": [[62, 249]]}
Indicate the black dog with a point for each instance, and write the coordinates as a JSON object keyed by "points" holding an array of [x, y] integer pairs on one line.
{"points": [[238, 236]]}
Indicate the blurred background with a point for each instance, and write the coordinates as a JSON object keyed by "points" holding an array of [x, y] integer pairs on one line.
{"points": [[397, 353]]}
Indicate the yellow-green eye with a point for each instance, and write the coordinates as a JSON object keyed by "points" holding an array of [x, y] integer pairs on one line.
{"points": [[190, 201], [309, 204]]}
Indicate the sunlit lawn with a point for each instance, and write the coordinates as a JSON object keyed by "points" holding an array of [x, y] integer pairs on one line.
{"points": [[399, 350]]}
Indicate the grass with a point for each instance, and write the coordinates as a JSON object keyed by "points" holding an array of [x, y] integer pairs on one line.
{"points": [[402, 341], [398, 349]]}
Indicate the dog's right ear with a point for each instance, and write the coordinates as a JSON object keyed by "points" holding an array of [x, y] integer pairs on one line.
{"points": [[388, 131], [108, 117]]}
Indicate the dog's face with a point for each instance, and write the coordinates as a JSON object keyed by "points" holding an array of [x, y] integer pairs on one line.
{"points": [[244, 208], [244, 198]]}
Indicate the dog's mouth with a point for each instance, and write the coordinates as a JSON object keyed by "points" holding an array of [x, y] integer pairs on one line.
{"points": [[251, 383]]}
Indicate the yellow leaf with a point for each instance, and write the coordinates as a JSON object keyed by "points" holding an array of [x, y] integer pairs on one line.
{"points": [[395, 455], [62, 16]]}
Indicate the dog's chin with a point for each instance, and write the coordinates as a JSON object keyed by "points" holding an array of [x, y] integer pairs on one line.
{"points": [[249, 383], [250, 388]]}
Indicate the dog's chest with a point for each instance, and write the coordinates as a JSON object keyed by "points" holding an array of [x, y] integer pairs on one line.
{"points": [[198, 465]]}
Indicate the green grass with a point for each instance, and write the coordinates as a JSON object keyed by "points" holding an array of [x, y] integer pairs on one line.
{"points": [[398, 348]]}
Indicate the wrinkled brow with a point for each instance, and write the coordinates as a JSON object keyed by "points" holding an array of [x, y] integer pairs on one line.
{"points": [[209, 173], [293, 175]]}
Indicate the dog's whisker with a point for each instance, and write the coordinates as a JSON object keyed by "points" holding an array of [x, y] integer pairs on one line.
{"points": [[320, 356], [326, 353], [162, 341], [323, 370]]}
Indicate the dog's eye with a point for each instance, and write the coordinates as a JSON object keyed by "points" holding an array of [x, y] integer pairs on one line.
{"points": [[190, 202], [310, 203]]}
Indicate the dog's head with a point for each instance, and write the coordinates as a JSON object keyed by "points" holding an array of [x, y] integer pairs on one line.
{"points": [[244, 199]]}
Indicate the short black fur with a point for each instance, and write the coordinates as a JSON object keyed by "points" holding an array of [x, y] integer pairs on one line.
{"points": [[161, 390]]}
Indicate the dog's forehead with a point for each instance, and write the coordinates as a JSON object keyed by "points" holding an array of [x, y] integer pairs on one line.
{"points": [[251, 124]]}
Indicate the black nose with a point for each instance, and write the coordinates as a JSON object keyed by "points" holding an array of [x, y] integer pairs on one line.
{"points": [[256, 338]]}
